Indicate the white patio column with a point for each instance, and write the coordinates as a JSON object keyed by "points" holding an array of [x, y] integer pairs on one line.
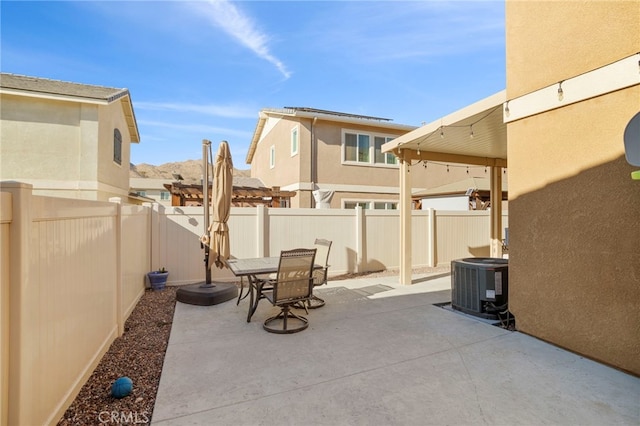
{"points": [[496, 211], [405, 222]]}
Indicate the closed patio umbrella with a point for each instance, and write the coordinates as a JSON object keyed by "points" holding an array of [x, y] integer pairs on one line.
{"points": [[221, 204], [216, 239]]}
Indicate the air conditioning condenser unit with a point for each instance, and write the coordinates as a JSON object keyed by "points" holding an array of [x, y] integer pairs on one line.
{"points": [[480, 286]]}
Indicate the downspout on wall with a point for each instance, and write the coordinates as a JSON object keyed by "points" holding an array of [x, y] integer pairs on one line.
{"points": [[314, 161]]}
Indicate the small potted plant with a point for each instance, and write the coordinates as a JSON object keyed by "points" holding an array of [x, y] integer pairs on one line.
{"points": [[158, 279]]}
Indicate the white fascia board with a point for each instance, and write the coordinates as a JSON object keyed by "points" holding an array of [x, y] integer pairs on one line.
{"points": [[54, 97], [609, 78], [341, 119]]}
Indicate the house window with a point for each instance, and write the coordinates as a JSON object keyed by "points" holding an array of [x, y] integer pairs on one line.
{"points": [[354, 204], [294, 141], [382, 157], [272, 156], [385, 206], [141, 193], [117, 146], [376, 205], [356, 147], [367, 148], [165, 195]]}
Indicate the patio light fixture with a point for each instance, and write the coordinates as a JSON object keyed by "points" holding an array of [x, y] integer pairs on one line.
{"points": [[560, 91]]}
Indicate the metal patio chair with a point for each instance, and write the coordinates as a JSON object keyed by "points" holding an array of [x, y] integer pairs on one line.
{"points": [[293, 284], [319, 275]]}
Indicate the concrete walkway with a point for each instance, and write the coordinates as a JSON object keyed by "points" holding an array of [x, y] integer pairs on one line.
{"points": [[379, 354]]}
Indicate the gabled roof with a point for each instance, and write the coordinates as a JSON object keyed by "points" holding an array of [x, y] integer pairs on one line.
{"points": [[336, 113], [23, 85], [320, 114]]}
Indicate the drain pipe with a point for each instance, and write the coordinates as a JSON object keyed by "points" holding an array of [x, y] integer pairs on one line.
{"points": [[314, 161]]}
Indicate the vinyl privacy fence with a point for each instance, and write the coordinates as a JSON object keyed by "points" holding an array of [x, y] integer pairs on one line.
{"points": [[73, 270]]}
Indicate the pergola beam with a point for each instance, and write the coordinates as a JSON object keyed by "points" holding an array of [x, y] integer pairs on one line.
{"points": [[411, 154]]}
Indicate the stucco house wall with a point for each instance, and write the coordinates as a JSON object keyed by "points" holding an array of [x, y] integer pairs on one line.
{"points": [[59, 137], [574, 211], [319, 163], [113, 178]]}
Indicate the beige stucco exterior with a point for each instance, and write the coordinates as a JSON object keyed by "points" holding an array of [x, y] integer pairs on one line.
{"points": [[319, 163], [152, 189], [65, 147], [574, 212]]}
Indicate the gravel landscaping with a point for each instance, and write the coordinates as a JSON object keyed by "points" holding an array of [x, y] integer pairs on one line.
{"points": [[139, 355]]}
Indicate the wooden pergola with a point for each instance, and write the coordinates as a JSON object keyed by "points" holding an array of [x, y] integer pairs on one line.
{"points": [[243, 196]]}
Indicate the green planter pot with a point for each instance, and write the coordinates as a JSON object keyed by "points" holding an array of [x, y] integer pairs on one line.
{"points": [[158, 280]]}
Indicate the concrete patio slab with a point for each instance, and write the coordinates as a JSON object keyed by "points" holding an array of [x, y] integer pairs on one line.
{"points": [[379, 354]]}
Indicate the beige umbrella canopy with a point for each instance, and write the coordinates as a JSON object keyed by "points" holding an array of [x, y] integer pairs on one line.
{"points": [[216, 238], [221, 205]]}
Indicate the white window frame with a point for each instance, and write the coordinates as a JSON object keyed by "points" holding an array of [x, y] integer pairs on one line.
{"points": [[367, 204], [370, 204], [386, 203], [272, 156], [372, 152], [295, 140], [387, 155]]}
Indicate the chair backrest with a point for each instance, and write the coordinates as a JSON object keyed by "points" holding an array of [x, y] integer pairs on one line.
{"points": [[322, 255], [294, 279]]}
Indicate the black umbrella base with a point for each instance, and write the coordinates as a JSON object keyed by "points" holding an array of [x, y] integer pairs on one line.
{"points": [[206, 294]]}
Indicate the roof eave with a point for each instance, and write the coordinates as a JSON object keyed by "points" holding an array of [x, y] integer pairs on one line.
{"points": [[406, 141], [338, 118], [257, 133], [130, 116], [123, 95]]}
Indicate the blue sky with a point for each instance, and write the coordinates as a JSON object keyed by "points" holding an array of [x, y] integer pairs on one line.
{"points": [[203, 69]]}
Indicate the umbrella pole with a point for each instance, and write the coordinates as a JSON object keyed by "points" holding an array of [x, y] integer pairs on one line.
{"points": [[206, 293], [205, 202]]}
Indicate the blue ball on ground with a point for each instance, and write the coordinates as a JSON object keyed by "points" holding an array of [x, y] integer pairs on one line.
{"points": [[121, 387]]}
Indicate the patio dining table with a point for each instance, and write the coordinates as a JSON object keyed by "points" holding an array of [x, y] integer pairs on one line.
{"points": [[252, 268]]}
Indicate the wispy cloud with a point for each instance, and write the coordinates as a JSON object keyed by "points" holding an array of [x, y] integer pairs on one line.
{"points": [[226, 16], [227, 111]]}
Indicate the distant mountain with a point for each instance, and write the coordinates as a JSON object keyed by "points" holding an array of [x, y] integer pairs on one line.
{"points": [[190, 170]]}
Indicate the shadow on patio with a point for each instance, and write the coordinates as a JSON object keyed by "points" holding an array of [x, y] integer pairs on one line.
{"points": [[379, 353]]}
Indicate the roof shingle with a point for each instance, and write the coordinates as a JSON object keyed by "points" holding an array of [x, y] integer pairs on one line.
{"points": [[57, 87]]}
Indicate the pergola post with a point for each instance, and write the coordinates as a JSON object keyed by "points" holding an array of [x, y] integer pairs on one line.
{"points": [[405, 206], [496, 211]]}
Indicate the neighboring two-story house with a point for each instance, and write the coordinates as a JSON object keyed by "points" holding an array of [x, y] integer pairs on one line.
{"points": [[334, 159], [152, 188], [67, 139]]}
